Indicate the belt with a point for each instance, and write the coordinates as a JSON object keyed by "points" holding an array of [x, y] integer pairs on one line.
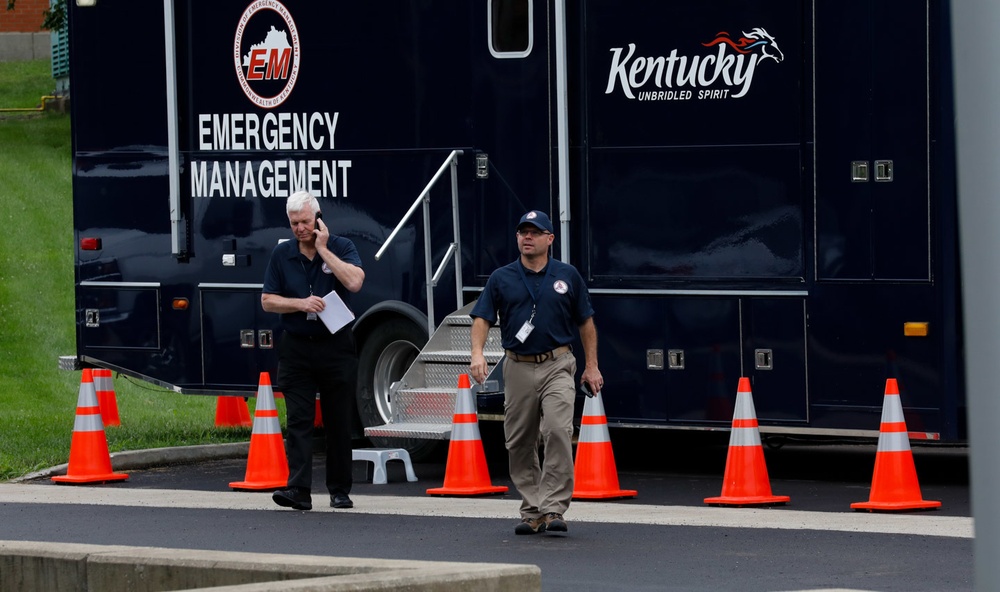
{"points": [[542, 357]]}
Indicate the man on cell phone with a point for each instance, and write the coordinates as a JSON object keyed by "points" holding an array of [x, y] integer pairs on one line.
{"points": [[311, 359]]}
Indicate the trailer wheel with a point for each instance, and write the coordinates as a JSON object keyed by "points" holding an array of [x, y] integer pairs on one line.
{"points": [[384, 358]]}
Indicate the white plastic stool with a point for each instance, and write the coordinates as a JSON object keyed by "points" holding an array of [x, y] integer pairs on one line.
{"points": [[379, 456]]}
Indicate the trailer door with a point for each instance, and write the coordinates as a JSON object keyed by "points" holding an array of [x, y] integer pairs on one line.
{"points": [[872, 158], [693, 163], [511, 106]]}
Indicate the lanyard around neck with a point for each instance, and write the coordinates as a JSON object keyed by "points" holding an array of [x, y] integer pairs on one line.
{"points": [[309, 278], [524, 278]]}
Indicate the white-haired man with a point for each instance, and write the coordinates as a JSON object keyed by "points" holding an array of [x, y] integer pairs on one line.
{"points": [[311, 359]]}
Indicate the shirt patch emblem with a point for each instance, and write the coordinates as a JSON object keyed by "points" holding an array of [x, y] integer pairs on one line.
{"points": [[326, 269], [560, 287]]}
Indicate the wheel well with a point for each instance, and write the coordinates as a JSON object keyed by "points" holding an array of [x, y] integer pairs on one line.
{"points": [[383, 312], [389, 340], [367, 324]]}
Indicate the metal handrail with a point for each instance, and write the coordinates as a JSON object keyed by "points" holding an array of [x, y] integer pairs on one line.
{"points": [[453, 249]]}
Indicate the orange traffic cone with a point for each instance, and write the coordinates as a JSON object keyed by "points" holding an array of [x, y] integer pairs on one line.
{"points": [[745, 482], [89, 460], [594, 473], [894, 483], [267, 465], [231, 412], [466, 472], [105, 387]]}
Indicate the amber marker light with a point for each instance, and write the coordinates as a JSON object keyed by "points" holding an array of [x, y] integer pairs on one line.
{"points": [[915, 329], [180, 304]]}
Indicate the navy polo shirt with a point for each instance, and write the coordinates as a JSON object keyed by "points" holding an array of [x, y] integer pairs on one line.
{"points": [[292, 275], [562, 304]]}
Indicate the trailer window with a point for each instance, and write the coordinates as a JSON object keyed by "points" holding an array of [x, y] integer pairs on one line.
{"points": [[510, 28]]}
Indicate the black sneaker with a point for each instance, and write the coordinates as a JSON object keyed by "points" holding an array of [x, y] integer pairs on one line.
{"points": [[530, 526], [296, 499], [340, 500], [555, 523]]}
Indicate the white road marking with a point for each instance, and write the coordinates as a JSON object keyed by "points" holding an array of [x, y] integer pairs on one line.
{"points": [[917, 524]]}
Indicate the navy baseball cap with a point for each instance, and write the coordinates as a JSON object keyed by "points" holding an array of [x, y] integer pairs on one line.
{"points": [[537, 219]]}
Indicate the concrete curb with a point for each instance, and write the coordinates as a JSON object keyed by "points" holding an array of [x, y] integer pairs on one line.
{"points": [[37, 567], [154, 457]]}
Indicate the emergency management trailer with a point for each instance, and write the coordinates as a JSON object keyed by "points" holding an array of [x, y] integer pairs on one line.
{"points": [[749, 188]]}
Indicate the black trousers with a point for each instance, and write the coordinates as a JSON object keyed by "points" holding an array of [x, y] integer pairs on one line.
{"points": [[328, 366]]}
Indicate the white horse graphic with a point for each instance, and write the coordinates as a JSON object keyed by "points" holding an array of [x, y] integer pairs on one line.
{"points": [[766, 43]]}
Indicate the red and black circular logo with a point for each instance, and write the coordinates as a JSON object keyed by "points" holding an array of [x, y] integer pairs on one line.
{"points": [[266, 53]]}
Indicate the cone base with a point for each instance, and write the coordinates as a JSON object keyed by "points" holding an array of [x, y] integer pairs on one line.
{"points": [[249, 486], [460, 491], [756, 500], [896, 506], [75, 479], [610, 494]]}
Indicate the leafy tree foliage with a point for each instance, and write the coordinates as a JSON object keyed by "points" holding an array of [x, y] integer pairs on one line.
{"points": [[54, 16]]}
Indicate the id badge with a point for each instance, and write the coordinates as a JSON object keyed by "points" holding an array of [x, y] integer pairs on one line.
{"points": [[311, 316], [526, 330]]}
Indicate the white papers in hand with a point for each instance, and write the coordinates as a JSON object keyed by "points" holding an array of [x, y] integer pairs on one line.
{"points": [[336, 314]]}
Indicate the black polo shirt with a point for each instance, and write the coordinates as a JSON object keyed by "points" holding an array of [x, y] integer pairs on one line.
{"points": [[561, 300], [292, 275]]}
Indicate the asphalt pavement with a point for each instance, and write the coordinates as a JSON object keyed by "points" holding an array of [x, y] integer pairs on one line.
{"points": [[666, 538]]}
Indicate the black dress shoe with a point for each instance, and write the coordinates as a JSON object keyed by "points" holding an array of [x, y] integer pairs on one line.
{"points": [[340, 500], [296, 499]]}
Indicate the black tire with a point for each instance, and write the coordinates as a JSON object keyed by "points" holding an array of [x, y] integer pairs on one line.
{"points": [[384, 357]]}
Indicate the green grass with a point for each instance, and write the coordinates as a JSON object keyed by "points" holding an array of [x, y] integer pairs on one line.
{"points": [[37, 400], [23, 84]]}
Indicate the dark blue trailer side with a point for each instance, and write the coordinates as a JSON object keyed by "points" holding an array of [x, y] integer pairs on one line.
{"points": [[760, 189]]}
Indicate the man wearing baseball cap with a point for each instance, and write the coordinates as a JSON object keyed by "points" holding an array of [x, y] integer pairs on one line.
{"points": [[542, 305]]}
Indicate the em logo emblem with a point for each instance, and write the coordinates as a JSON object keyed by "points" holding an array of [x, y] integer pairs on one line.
{"points": [[266, 52]]}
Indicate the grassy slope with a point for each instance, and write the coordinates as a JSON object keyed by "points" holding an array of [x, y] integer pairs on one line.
{"points": [[37, 400], [23, 84]]}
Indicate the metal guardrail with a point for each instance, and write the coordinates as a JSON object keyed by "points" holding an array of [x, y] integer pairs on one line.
{"points": [[454, 251]]}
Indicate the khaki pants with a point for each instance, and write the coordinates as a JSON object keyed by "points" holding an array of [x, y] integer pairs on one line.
{"points": [[538, 400]]}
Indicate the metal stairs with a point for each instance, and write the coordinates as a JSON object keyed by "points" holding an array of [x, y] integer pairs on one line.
{"points": [[423, 400]]}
